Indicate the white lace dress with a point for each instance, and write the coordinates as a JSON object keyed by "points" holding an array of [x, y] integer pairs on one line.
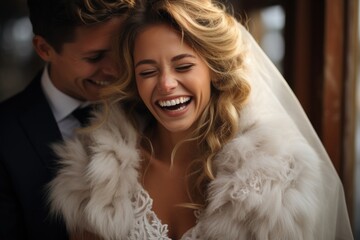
{"points": [[147, 225]]}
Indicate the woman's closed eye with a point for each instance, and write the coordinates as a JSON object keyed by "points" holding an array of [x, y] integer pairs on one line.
{"points": [[184, 67], [147, 73], [179, 68]]}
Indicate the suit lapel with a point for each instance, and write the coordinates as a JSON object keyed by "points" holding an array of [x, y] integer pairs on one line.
{"points": [[39, 123]]}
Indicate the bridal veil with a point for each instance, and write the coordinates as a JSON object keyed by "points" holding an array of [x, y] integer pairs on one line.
{"points": [[333, 222]]}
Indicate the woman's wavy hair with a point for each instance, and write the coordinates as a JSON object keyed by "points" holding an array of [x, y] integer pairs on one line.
{"points": [[214, 34]]}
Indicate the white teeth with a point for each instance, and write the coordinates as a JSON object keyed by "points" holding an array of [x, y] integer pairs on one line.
{"points": [[101, 83], [173, 102]]}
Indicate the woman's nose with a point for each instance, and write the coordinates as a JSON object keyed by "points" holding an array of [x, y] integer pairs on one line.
{"points": [[166, 83]]}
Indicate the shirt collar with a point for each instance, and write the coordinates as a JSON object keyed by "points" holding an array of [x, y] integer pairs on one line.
{"points": [[62, 105]]}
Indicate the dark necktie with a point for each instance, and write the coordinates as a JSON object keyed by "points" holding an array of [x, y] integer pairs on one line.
{"points": [[83, 114]]}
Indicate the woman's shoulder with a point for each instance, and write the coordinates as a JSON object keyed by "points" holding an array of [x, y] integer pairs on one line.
{"points": [[269, 150], [267, 180]]}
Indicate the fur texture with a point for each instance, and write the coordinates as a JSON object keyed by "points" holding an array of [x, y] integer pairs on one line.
{"points": [[265, 187]]}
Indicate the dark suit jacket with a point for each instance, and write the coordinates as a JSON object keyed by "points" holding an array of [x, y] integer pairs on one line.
{"points": [[27, 164]]}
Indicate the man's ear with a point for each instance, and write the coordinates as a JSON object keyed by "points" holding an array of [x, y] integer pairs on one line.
{"points": [[43, 48]]}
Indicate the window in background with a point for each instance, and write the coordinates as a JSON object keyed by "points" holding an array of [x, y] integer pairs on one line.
{"points": [[18, 61], [267, 26]]}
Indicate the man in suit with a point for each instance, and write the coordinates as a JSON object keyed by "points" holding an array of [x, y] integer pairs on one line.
{"points": [[74, 38]]}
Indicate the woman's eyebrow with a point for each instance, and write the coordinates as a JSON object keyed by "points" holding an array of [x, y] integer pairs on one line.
{"points": [[175, 58], [181, 56]]}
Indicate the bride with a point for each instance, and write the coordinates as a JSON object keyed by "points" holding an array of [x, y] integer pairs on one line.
{"points": [[201, 138]]}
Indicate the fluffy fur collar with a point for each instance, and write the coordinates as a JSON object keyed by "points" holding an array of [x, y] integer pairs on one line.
{"points": [[265, 186]]}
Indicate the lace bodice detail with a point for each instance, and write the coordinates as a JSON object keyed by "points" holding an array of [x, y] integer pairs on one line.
{"points": [[147, 225]]}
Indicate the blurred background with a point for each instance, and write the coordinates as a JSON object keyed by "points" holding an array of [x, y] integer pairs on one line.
{"points": [[314, 44]]}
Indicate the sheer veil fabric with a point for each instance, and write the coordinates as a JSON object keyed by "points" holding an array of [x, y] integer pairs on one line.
{"points": [[333, 221]]}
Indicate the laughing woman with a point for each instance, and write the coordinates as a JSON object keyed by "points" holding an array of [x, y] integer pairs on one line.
{"points": [[201, 138]]}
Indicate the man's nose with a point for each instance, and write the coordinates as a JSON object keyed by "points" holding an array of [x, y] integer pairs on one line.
{"points": [[109, 67]]}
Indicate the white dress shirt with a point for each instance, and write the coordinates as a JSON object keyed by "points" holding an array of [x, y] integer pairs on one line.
{"points": [[61, 105]]}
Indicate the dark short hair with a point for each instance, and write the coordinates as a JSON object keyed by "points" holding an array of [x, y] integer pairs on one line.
{"points": [[56, 20]]}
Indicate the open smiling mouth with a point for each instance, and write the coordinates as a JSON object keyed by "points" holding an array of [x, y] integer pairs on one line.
{"points": [[175, 104]]}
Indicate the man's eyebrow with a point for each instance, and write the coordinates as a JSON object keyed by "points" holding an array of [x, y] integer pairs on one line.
{"points": [[96, 51], [176, 58]]}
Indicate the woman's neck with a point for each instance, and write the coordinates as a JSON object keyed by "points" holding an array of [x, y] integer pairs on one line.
{"points": [[164, 144]]}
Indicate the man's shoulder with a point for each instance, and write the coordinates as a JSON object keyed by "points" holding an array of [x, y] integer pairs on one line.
{"points": [[14, 103], [21, 101], [23, 98]]}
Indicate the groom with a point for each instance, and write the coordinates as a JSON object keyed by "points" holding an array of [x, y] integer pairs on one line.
{"points": [[78, 63]]}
